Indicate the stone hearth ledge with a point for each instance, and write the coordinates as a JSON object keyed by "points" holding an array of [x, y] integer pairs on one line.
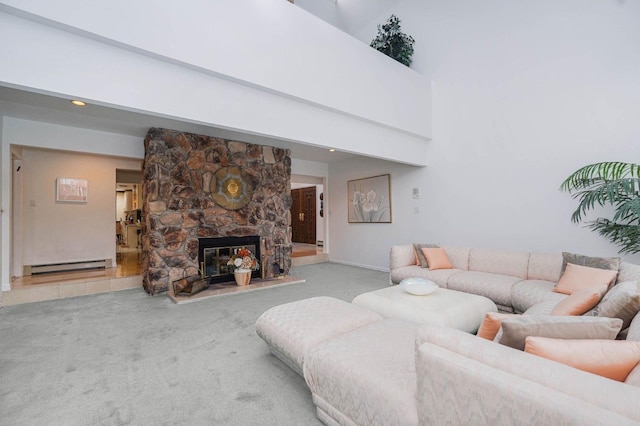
{"points": [[223, 289]]}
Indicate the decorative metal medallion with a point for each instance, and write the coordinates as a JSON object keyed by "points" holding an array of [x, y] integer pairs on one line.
{"points": [[231, 188]]}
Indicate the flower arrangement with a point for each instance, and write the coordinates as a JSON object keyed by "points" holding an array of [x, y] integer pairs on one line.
{"points": [[243, 258]]}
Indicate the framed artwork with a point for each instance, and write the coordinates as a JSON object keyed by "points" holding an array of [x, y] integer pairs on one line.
{"points": [[370, 199], [71, 190]]}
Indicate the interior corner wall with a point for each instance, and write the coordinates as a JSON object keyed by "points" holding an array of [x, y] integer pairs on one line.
{"points": [[367, 244], [66, 232], [523, 95]]}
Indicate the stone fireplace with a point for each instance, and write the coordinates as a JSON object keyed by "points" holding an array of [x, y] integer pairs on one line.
{"points": [[196, 188]]}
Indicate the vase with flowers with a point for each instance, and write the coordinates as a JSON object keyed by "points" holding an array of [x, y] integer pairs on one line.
{"points": [[243, 262]]}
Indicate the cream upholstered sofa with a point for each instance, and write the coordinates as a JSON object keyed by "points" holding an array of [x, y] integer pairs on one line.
{"points": [[365, 370], [463, 379], [515, 281], [399, 373]]}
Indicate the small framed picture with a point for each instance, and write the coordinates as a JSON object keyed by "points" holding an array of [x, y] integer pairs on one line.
{"points": [[71, 190], [370, 199]]}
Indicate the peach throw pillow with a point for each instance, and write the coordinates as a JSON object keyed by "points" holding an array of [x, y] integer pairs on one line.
{"points": [[580, 301], [613, 359], [491, 324], [437, 258], [577, 277]]}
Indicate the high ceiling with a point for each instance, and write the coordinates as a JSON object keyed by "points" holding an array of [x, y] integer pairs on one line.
{"points": [[55, 110]]}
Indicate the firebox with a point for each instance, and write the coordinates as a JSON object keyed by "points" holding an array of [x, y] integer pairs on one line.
{"points": [[214, 253]]}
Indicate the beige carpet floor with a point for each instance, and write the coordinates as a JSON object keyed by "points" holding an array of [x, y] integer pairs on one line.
{"points": [[126, 358]]}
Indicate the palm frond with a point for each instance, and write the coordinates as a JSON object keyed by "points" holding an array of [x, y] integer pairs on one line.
{"points": [[626, 236], [628, 211], [609, 183], [602, 193], [600, 171]]}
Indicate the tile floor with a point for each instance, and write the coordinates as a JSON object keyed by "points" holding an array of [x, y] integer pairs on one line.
{"points": [[59, 285]]}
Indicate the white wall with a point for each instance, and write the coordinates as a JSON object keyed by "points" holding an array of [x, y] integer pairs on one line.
{"points": [[348, 15], [54, 136], [367, 244], [327, 10], [66, 232], [53, 231], [523, 95], [266, 68]]}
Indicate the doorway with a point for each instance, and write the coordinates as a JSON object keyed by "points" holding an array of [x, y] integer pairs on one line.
{"points": [[303, 215], [127, 222]]}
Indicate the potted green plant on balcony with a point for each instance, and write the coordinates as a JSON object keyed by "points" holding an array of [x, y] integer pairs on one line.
{"points": [[393, 42], [615, 184]]}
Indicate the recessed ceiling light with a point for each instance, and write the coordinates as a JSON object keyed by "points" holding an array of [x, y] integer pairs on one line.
{"points": [[78, 103], [332, 150]]}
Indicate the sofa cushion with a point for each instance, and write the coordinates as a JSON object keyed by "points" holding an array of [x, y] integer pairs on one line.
{"points": [[526, 293], [622, 301], [610, 263], [579, 302], [459, 257], [367, 375], [292, 329], [457, 390], [628, 272], [441, 276], [576, 277], [544, 266], [401, 255], [613, 359], [633, 332], [491, 324], [413, 271], [516, 330], [542, 308], [633, 378], [502, 262], [496, 287], [421, 260], [436, 258], [551, 374]]}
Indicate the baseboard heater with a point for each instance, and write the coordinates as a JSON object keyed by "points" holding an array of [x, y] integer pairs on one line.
{"points": [[66, 266]]}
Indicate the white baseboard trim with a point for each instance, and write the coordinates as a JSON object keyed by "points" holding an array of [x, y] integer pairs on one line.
{"points": [[359, 265]]}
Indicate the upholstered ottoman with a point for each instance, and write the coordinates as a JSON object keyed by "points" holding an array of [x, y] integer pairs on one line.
{"points": [[292, 329], [448, 308], [366, 376]]}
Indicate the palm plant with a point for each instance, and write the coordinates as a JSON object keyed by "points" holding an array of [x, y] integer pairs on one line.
{"points": [[609, 183]]}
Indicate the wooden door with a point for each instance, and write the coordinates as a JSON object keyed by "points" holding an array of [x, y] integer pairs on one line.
{"points": [[303, 215]]}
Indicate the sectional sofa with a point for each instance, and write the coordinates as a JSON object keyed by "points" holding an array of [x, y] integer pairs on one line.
{"points": [[515, 281], [363, 369]]}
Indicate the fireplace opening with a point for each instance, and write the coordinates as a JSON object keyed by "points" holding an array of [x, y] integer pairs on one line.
{"points": [[214, 253]]}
